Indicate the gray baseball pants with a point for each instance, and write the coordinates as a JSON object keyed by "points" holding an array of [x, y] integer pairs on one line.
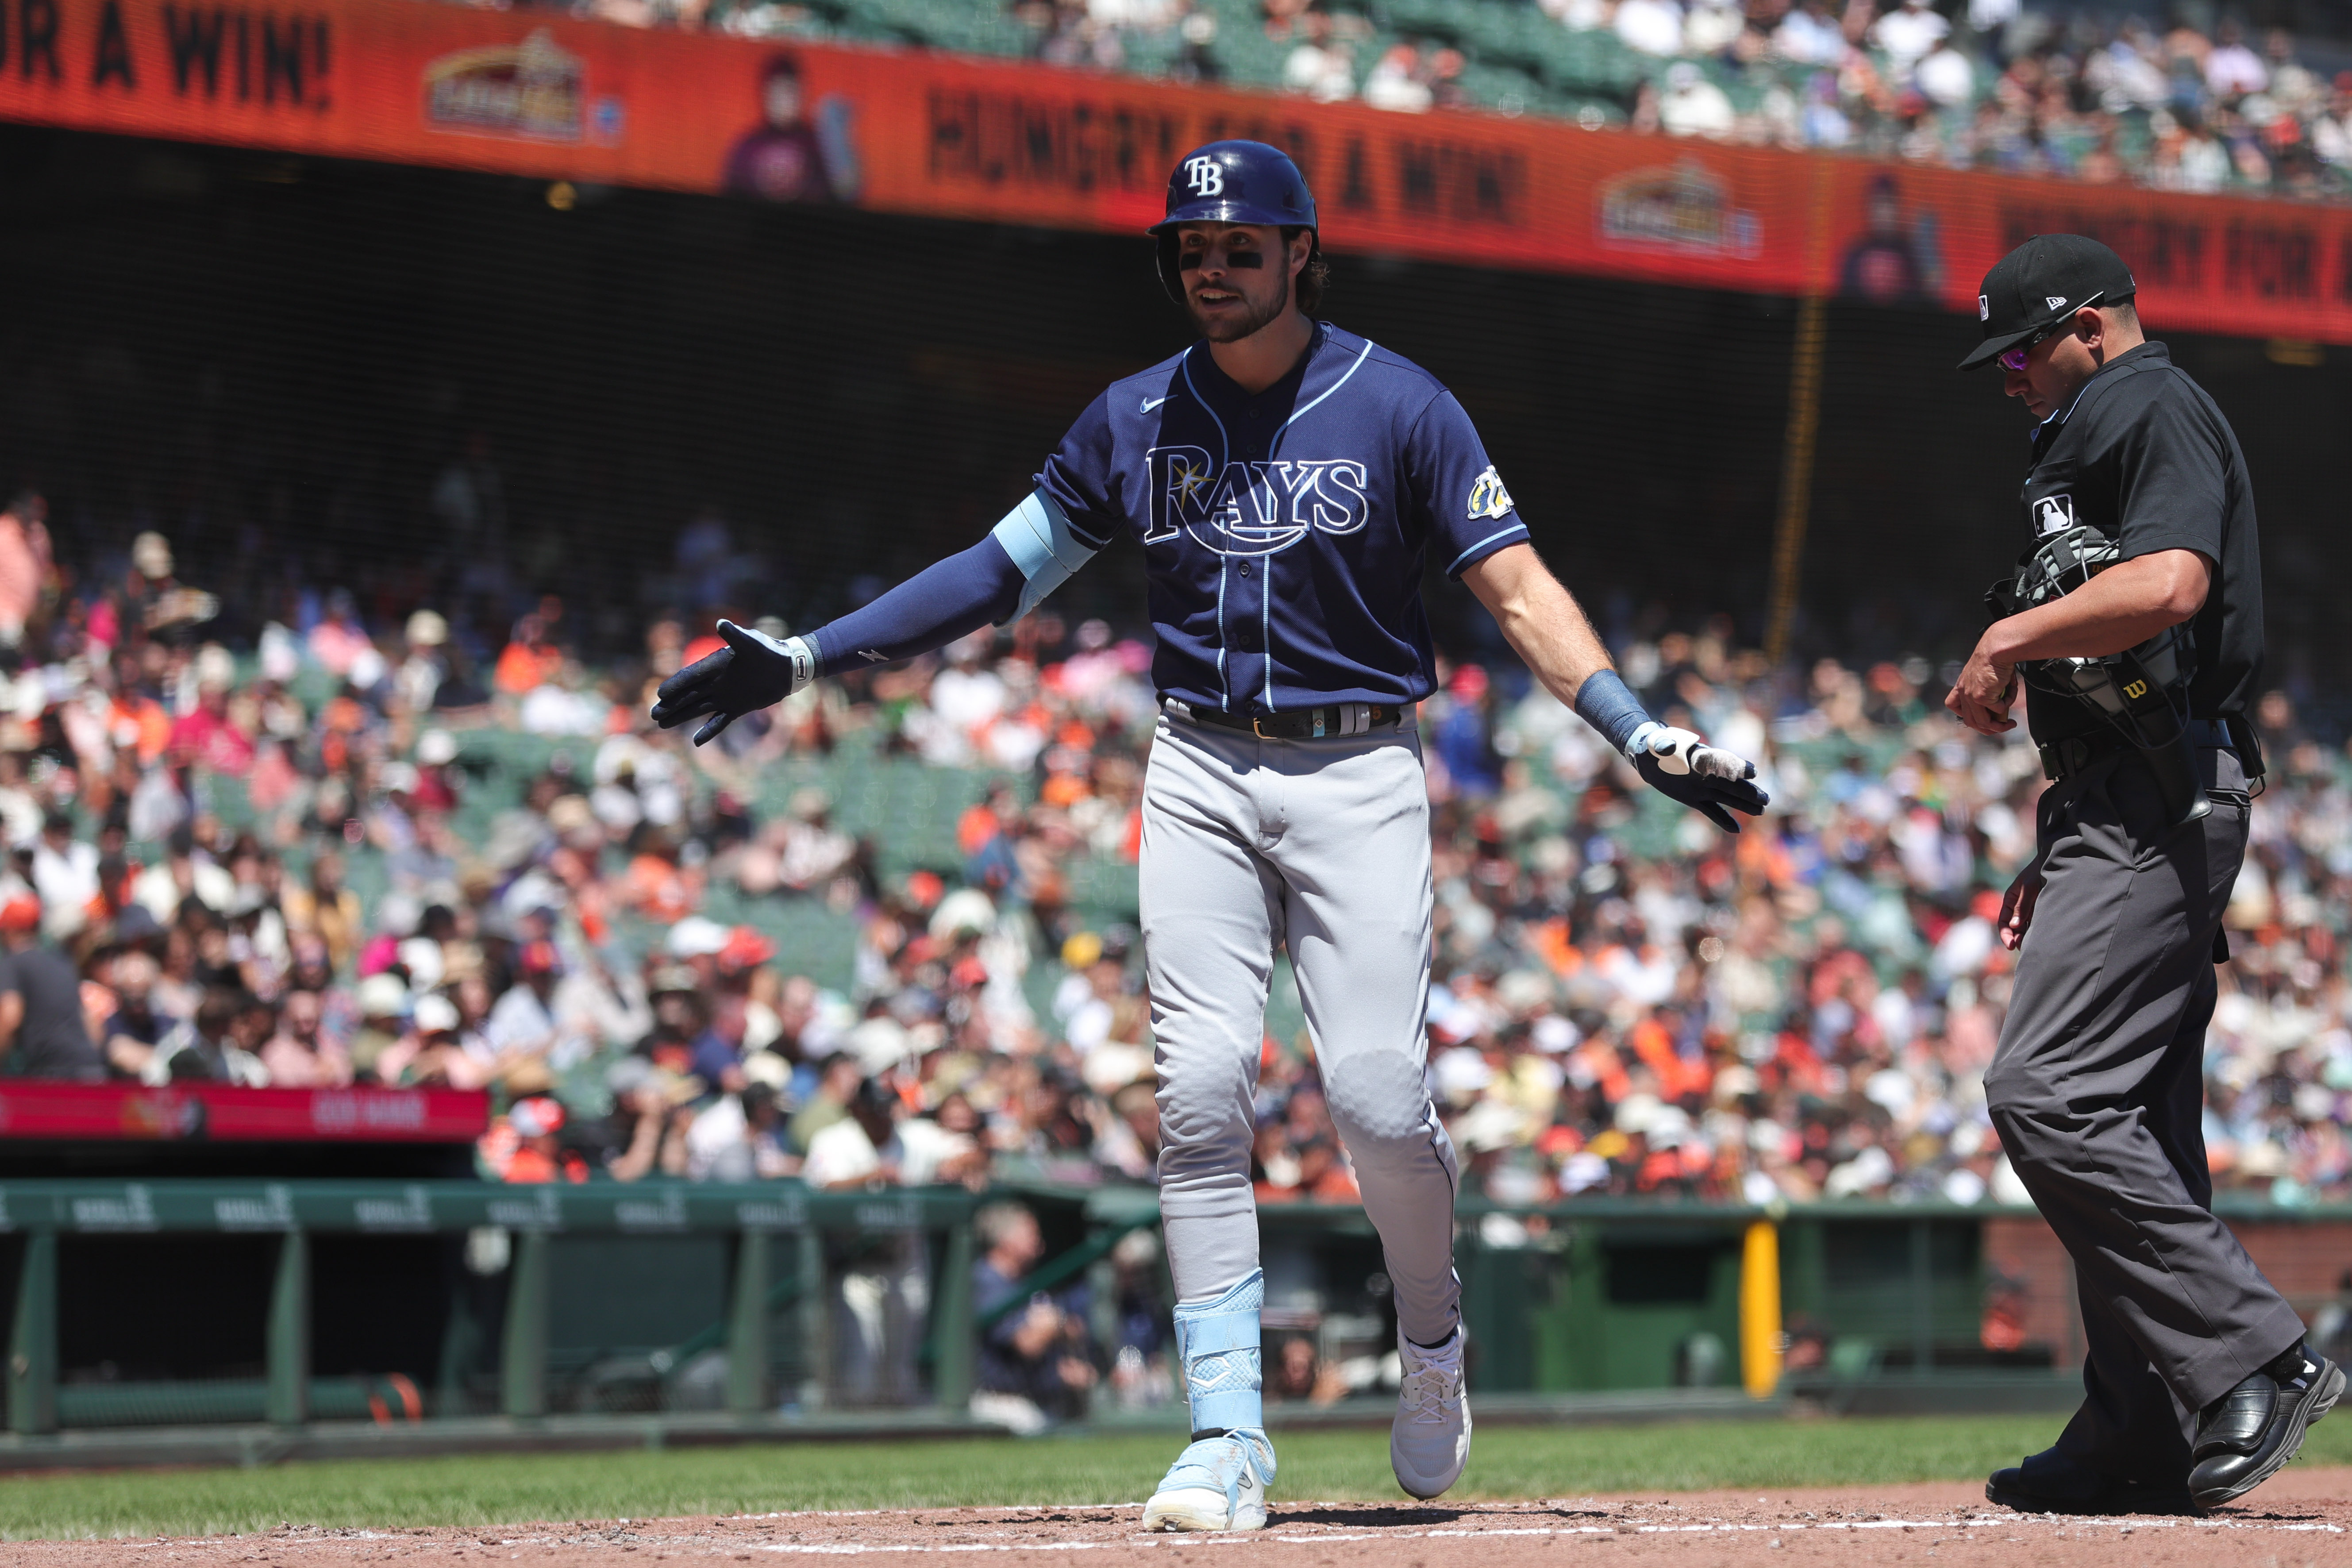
{"points": [[2097, 1092], [1249, 844]]}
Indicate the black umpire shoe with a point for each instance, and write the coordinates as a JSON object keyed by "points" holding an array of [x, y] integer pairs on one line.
{"points": [[2052, 1482], [2246, 1435]]}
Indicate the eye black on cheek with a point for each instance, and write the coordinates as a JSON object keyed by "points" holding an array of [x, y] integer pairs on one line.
{"points": [[1245, 259]]}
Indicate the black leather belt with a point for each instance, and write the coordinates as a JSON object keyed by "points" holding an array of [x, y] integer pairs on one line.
{"points": [[2061, 760], [1339, 719]]}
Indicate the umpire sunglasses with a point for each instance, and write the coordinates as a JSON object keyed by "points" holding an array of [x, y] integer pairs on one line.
{"points": [[2014, 359]]}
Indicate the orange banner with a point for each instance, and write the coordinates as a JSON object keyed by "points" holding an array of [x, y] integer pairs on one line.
{"points": [[404, 82]]}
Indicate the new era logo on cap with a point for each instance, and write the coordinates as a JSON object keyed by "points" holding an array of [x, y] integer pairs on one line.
{"points": [[2053, 301]]}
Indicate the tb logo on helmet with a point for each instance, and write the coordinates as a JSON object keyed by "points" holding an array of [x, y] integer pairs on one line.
{"points": [[1204, 176]]}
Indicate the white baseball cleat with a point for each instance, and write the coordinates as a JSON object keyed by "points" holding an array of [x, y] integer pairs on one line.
{"points": [[1218, 1483], [1430, 1441]]}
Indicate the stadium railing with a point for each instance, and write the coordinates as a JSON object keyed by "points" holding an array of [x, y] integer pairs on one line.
{"points": [[1841, 1302]]}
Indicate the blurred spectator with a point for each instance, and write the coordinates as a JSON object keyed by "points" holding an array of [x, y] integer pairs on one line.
{"points": [[327, 908], [210, 1046], [2231, 70], [1651, 27], [1885, 264], [732, 965], [525, 1145], [1396, 82], [520, 1027], [1907, 34], [784, 158], [65, 876], [838, 1079], [1320, 65], [382, 1004], [741, 1138], [432, 1053], [1692, 105], [297, 1055], [42, 1033], [1141, 1376], [27, 570], [1810, 35], [877, 1143], [135, 1027], [653, 1114], [157, 604], [1037, 1363]]}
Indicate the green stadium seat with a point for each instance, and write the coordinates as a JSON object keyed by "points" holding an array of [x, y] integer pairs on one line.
{"points": [[1504, 87]]}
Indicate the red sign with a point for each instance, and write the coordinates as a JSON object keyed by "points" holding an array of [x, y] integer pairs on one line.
{"points": [[525, 92], [34, 1109]]}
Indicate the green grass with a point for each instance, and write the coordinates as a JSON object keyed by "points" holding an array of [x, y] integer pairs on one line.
{"points": [[1509, 1462]]}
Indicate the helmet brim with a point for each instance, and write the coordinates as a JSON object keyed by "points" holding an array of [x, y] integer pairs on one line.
{"points": [[1226, 211]]}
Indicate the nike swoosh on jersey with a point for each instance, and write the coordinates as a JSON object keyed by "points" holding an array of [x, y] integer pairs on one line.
{"points": [[1151, 403]]}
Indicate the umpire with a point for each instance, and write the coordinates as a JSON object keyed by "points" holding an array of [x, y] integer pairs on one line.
{"points": [[2198, 1385]]}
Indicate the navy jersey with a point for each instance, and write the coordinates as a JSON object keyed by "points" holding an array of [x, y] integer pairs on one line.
{"points": [[1286, 533]]}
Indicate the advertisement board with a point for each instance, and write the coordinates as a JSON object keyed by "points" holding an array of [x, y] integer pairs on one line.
{"points": [[1004, 142]]}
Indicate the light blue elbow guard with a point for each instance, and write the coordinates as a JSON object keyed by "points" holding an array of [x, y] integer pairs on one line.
{"points": [[1038, 537], [1223, 1366]]}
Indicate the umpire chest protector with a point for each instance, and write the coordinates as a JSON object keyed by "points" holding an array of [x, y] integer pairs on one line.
{"points": [[2141, 462]]}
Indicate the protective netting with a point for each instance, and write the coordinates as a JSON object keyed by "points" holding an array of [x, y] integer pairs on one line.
{"points": [[436, 390]]}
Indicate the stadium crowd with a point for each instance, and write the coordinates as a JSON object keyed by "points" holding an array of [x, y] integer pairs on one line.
{"points": [[1626, 1002], [1987, 84], [2186, 98]]}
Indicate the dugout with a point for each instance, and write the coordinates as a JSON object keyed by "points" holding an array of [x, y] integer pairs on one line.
{"points": [[187, 1303], [465, 1313]]}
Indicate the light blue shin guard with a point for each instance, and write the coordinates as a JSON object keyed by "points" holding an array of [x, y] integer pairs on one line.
{"points": [[1224, 1365]]}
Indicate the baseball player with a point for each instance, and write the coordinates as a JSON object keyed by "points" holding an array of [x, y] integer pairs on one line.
{"points": [[1287, 481], [2198, 1383]]}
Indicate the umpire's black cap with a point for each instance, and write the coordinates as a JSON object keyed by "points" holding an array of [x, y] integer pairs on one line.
{"points": [[2049, 277]]}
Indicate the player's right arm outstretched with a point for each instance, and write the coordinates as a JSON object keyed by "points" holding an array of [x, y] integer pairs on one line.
{"points": [[1026, 557], [1544, 624]]}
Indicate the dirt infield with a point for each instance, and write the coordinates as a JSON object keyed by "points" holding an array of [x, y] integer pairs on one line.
{"points": [[2302, 1516]]}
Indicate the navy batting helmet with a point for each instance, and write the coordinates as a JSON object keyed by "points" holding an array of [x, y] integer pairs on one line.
{"points": [[1232, 181]]}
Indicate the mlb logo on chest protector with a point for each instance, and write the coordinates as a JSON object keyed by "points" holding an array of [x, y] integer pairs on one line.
{"points": [[2053, 514], [1204, 176]]}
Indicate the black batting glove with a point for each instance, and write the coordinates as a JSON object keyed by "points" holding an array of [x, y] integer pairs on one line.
{"points": [[752, 672], [1680, 765]]}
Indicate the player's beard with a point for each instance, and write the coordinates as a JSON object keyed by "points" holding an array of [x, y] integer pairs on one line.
{"points": [[1232, 330]]}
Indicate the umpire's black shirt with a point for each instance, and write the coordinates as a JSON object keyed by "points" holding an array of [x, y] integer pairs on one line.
{"points": [[2145, 456]]}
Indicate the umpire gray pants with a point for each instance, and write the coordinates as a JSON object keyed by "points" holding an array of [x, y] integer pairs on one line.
{"points": [[2097, 1092], [1323, 845]]}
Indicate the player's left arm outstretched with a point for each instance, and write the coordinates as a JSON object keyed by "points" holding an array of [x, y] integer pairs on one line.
{"points": [[1546, 627]]}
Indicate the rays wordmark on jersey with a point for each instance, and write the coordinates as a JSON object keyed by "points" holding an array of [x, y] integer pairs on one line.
{"points": [[1253, 507]]}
